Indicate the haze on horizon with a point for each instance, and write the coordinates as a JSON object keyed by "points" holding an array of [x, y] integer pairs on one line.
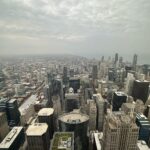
{"points": [[80, 27]]}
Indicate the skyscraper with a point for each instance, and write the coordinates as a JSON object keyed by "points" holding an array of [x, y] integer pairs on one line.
{"points": [[74, 83], [77, 123], [118, 99], [134, 62], [71, 72], [100, 104], [65, 75], [116, 58], [3, 125], [71, 101], [48, 95], [144, 125], [140, 90], [14, 139], [46, 115], [10, 107], [92, 112], [120, 133], [94, 72], [38, 137], [129, 83], [13, 113]]}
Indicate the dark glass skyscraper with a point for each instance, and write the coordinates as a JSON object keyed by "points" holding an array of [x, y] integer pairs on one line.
{"points": [[140, 90], [12, 111], [134, 62], [118, 99]]}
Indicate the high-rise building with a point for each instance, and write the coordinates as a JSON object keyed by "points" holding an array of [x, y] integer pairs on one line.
{"points": [[88, 93], [61, 92], [120, 132], [57, 86], [94, 72], [97, 141], [12, 111], [128, 108], [58, 110], [146, 69], [65, 75], [100, 104], [27, 109], [71, 101], [134, 62], [63, 140], [92, 112], [118, 99], [120, 60], [46, 115], [38, 137], [144, 124], [116, 57], [128, 69], [48, 95], [111, 74], [49, 78], [71, 72], [14, 139], [77, 123], [3, 104], [129, 83], [74, 83], [4, 129], [140, 90]]}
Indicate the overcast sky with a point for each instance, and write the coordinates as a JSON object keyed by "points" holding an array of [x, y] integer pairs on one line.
{"points": [[81, 27]]}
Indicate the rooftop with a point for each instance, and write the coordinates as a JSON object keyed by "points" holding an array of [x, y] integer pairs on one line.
{"points": [[37, 129], [3, 100], [142, 145], [2, 113], [116, 120], [63, 140], [11, 136], [74, 78], [74, 118], [129, 105], [12, 100], [142, 81], [120, 93], [98, 97], [46, 112], [72, 96]]}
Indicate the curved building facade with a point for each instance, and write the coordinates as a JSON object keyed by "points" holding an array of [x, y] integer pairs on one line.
{"points": [[77, 123]]}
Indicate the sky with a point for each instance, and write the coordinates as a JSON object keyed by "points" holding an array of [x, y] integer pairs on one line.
{"points": [[81, 27]]}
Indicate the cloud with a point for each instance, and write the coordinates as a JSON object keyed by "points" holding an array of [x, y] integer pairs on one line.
{"points": [[75, 21]]}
